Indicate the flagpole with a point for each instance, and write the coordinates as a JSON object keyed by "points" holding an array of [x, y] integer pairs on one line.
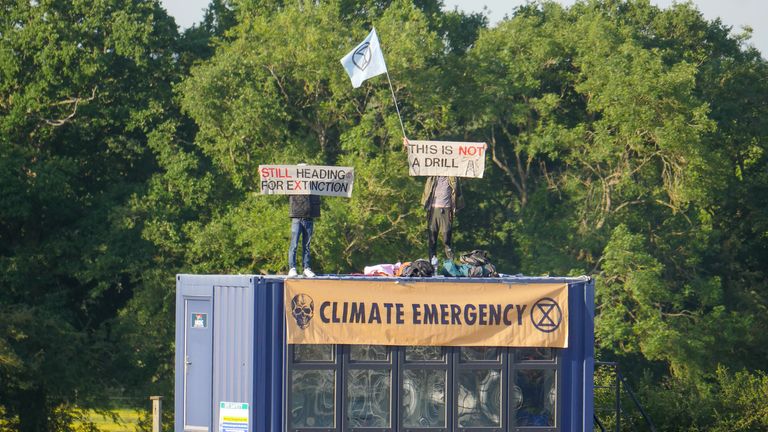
{"points": [[396, 107]]}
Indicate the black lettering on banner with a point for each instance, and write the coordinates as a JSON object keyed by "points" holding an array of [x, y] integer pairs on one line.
{"points": [[520, 312], [494, 314], [507, 309], [324, 306], [375, 314], [272, 184], [357, 313], [470, 171], [455, 314], [444, 314], [399, 312], [328, 186], [416, 314], [332, 174], [447, 150], [388, 307], [432, 149], [470, 317], [334, 316], [430, 314], [344, 315], [483, 313]]}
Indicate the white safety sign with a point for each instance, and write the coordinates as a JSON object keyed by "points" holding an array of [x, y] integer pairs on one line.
{"points": [[233, 417]]}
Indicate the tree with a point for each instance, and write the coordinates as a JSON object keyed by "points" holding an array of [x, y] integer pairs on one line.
{"points": [[275, 93], [82, 84], [615, 128]]}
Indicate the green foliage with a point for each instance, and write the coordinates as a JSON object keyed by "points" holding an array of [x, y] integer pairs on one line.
{"points": [[740, 401], [275, 94], [727, 401], [82, 84]]}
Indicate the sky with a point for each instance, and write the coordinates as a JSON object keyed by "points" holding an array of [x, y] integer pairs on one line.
{"points": [[734, 13]]}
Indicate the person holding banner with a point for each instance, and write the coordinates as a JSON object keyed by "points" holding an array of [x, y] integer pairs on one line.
{"points": [[442, 198], [303, 210]]}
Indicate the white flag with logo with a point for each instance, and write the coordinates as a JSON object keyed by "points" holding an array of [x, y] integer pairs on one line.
{"points": [[365, 61]]}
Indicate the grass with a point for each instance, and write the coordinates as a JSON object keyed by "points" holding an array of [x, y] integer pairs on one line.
{"points": [[128, 420]]}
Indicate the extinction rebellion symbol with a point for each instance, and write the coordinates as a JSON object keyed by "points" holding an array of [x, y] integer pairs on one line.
{"points": [[362, 57], [302, 309], [546, 315]]}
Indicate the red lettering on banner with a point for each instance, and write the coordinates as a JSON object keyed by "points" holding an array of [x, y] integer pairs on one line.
{"points": [[267, 172], [471, 151], [297, 185]]}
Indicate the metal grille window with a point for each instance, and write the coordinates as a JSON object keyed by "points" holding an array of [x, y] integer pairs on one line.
{"points": [[478, 388], [424, 380], [313, 378], [366, 388]]}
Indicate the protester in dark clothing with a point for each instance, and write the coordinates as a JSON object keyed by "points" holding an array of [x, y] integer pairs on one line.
{"points": [[442, 198], [303, 210]]}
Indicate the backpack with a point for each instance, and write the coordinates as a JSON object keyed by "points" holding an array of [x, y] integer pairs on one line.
{"points": [[418, 268], [476, 257], [450, 269], [477, 264]]}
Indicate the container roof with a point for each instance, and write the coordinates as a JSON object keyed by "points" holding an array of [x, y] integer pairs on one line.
{"points": [[503, 278]]}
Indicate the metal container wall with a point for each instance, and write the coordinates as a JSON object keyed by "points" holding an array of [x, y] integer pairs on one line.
{"points": [[236, 353], [232, 344]]}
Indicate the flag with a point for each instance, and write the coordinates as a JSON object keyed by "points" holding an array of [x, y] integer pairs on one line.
{"points": [[365, 61]]}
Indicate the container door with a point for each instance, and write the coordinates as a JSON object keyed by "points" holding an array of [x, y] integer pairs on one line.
{"points": [[198, 371]]}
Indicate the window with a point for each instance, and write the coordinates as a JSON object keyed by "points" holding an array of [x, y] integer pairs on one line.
{"points": [[313, 378], [367, 388]]}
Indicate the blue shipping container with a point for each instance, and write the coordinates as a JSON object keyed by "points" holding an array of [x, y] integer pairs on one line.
{"points": [[235, 372]]}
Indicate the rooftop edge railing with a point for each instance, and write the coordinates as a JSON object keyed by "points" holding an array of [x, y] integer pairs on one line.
{"points": [[617, 408]]}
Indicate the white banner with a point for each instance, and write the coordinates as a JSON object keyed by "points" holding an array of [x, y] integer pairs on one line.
{"points": [[446, 158], [306, 180]]}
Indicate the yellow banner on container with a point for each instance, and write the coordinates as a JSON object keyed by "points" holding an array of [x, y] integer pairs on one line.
{"points": [[426, 313]]}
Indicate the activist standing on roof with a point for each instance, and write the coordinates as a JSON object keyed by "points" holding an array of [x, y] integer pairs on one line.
{"points": [[305, 184], [303, 211], [442, 198]]}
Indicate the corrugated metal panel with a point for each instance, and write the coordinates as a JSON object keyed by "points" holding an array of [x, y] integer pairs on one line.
{"points": [[268, 360], [578, 359], [233, 317]]}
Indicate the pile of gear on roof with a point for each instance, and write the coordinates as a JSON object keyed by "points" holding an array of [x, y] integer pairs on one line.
{"points": [[442, 199], [471, 264]]}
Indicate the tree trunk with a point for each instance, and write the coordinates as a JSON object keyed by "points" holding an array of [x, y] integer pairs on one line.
{"points": [[33, 410]]}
